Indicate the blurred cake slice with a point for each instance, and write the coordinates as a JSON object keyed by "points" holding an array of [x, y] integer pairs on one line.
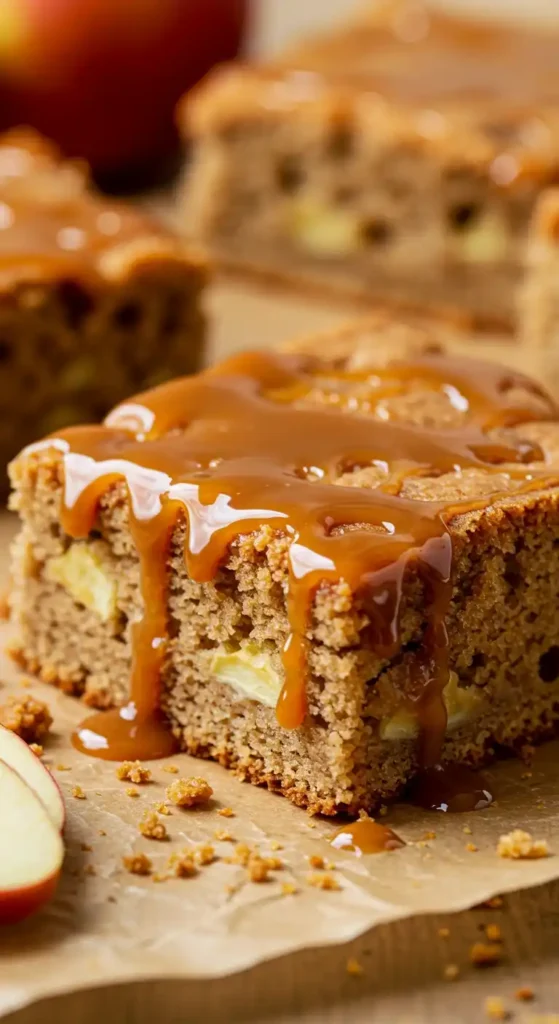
{"points": [[399, 157], [96, 298], [539, 299]]}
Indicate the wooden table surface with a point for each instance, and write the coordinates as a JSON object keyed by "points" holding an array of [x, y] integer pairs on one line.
{"points": [[402, 982], [403, 964]]}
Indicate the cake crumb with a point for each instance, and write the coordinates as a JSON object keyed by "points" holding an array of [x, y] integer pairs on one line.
{"points": [[28, 717], [137, 864], [190, 792], [86, 848], [160, 876], [226, 812], [162, 808], [130, 791], [274, 863], [63, 768], [101, 832], [495, 1008], [274, 845], [151, 827], [520, 845], [429, 835], [258, 868], [471, 847], [204, 854], [526, 775], [383, 810], [493, 933], [241, 855], [223, 835], [316, 861], [171, 769], [78, 793], [25, 683], [524, 994], [451, 972], [322, 880], [444, 933], [483, 954], [182, 864], [14, 651], [353, 967], [133, 771], [288, 888], [467, 830]]}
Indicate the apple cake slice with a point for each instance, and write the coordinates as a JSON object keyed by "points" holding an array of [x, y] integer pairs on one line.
{"points": [[329, 568], [398, 158]]}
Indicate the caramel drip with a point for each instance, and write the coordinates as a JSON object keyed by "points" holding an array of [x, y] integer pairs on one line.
{"points": [[366, 836], [247, 444], [451, 788], [138, 730]]}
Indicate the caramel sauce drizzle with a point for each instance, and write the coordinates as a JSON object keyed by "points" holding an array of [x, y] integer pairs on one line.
{"points": [[246, 444], [52, 222], [366, 836], [48, 239]]}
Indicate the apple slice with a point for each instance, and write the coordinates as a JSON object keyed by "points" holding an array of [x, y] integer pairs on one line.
{"points": [[15, 752], [31, 849]]}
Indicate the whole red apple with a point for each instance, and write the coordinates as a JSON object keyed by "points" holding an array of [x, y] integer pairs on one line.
{"points": [[102, 77]]}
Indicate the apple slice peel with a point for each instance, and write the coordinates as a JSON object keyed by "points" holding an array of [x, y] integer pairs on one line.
{"points": [[15, 753], [31, 849]]}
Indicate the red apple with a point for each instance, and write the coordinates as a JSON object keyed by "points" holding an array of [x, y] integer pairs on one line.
{"points": [[17, 755], [31, 849], [102, 77]]}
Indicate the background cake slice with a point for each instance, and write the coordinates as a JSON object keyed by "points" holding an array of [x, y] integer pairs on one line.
{"points": [[96, 299], [539, 299], [398, 158], [471, 442]]}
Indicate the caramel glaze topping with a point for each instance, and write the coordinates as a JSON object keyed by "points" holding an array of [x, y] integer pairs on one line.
{"points": [[52, 223], [52, 238], [245, 444]]}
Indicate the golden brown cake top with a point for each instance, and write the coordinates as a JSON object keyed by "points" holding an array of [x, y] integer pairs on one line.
{"points": [[361, 463], [53, 225], [476, 89]]}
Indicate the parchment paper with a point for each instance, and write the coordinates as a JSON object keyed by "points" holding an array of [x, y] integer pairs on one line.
{"points": [[110, 926]]}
